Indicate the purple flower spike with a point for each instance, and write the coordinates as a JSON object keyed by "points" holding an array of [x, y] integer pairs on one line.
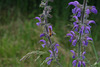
{"points": [[74, 62], [41, 35], [74, 42], [94, 10], [43, 45], [91, 21], [73, 53], [76, 18], [75, 3], [87, 11], [83, 63], [79, 64]]}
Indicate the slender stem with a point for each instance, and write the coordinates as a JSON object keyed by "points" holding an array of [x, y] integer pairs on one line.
{"points": [[79, 46], [83, 11], [95, 51], [82, 20], [46, 27]]}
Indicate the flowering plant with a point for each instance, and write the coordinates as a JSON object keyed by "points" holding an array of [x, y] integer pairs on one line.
{"points": [[48, 32], [81, 30]]}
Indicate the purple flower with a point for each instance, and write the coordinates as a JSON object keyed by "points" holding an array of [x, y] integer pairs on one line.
{"points": [[74, 10], [83, 55], [41, 35], [79, 64], [88, 11], [51, 53], [71, 35], [39, 20], [83, 63], [76, 26], [87, 29], [81, 30], [73, 53], [94, 10], [91, 21], [75, 3], [74, 23], [50, 58], [77, 11], [72, 32], [49, 61], [76, 18], [79, 14], [83, 42], [56, 48], [86, 42], [43, 45], [74, 62], [74, 42], [50, 27], [88, 38]]}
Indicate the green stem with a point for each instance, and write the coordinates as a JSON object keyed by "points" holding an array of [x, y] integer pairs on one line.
{"points": [[79, 46], [46, 27], [83, 11], [95, 51], [82, 20]]}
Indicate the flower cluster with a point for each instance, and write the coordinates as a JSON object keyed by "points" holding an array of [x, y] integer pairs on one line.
{"points": [[79, 61], [81, 29], [47, 32]]}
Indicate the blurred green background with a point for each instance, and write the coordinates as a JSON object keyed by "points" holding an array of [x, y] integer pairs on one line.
{"points": [[19, 34]]}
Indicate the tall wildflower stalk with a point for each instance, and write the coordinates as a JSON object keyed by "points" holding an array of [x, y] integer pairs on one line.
{"points": [[81, 30], [48, 32]]}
